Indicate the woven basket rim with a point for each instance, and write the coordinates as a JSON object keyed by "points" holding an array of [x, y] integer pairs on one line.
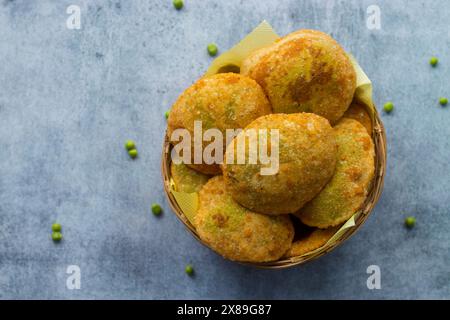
{"points": [[376, 188]]}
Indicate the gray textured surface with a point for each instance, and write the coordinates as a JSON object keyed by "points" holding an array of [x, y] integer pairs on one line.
{"points": [[69, 99]]}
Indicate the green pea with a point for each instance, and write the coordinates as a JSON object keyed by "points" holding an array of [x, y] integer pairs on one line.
{"points": [[443, 101], [410, 222], [434, 61], [156, 209], [189, 270], [167, 113], [388, 107], [133, 153], [56, 227], [178, 4], [212, 49], [57, 236], [130, 145]]}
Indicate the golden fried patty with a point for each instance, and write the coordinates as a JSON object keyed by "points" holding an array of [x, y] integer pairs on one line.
{"points": [[222, 101], [186, 179], [305, 71], [307, 160], [312, 241], [359, 113], [237, 233], [347, 190]]}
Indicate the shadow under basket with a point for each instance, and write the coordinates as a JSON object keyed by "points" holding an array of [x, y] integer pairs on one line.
{"points": [[379, 139]]}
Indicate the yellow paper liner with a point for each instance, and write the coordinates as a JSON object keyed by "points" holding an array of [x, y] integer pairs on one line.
{"points": [[263, 35], [188, 202]]}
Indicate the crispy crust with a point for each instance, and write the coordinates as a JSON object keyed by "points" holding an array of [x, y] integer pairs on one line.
{"points": [[359, 113], [345, 193], [312, 241], [237, 233], [222, 101], [305, 71], [307, 160]]}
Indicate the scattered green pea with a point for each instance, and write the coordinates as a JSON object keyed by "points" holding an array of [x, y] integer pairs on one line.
{"points": [[434, 61], [167, 114], [443, 101], [388, 107], [410, 222], [178, 4], [56, 227], [57, 236], [189, 270], [130, 145], [156, 209], [133, 153], [212, 49]]}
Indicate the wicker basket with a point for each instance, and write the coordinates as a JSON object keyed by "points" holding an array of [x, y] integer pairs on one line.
{"points": [[379, 138]]}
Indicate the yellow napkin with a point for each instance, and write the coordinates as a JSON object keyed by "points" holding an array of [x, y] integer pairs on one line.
{"points": [[188, 202]]}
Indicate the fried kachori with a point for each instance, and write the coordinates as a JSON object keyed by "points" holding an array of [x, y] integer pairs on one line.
{"points": [[222, 101], [344, 195], [358, 112], [306, 161], [305, 71], [236, 232], [315, 240]]}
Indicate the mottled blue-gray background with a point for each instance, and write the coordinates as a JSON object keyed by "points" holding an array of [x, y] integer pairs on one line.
{"points": [[70, 98]]}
